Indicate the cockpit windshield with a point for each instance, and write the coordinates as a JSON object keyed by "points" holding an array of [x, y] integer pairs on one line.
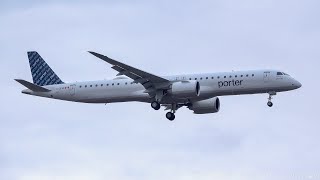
{"points": [[282, 73]]}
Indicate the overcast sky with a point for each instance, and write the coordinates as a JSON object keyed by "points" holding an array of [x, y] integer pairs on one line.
{"points": [[47, 139]]}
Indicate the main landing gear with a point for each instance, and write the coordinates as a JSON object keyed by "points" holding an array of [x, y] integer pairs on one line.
{"points": [[155, 105], [270, 104], [170, 115]]}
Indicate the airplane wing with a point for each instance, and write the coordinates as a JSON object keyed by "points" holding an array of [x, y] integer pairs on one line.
{"points": [[149, 81]]}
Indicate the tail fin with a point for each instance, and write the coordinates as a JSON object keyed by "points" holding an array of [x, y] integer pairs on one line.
{"points": [[42, 74]]}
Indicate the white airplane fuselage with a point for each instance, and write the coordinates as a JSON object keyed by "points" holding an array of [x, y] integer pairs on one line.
{"points": [[198, 92], [123, 89]]}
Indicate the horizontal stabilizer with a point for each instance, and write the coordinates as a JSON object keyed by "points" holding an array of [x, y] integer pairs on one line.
{"points": [[32, 86]]}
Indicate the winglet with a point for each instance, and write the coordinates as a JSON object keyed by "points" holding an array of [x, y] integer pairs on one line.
{"points": [[32, 86]]}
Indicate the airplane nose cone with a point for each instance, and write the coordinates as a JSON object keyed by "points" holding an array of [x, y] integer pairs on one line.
{"points": [[297, 84]]}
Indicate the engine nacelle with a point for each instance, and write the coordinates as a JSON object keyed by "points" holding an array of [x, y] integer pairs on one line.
{"points": [[185, 89], [206, 106]]}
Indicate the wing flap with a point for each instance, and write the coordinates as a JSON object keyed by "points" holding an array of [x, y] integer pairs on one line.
{"points": [[126, 73]]}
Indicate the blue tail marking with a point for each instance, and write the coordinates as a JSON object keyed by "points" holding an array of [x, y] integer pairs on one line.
{"points": [[42, 74]]}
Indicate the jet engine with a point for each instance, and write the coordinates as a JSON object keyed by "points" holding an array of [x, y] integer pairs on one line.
{"points": [[185, 89], [206, 106]]}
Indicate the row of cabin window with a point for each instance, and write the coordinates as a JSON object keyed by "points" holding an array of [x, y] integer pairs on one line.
{"points": [[223, 76], [103, 85], [189, 79]]}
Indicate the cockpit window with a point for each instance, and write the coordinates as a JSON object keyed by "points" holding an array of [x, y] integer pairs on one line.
{"points": [[282, 73]]}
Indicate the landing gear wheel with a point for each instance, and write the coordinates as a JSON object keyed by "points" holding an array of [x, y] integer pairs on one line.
{"points": [[270, 104], [170, 116], [155, 105]]}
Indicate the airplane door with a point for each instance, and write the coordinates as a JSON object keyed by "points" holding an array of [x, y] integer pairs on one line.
{"points": [[266, 76], [72, 89]]}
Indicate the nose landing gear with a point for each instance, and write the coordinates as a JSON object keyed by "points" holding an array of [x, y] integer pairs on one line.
{"points": [[270, 104]]}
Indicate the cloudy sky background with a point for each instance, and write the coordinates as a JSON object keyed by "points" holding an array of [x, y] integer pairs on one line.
{"points": [[48, 139]]}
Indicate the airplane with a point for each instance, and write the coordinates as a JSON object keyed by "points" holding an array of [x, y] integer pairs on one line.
{"points": [[198, 92]]}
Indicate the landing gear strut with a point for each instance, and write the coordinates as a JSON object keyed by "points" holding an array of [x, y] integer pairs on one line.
{"points": [[270, 104], [159, 95]]}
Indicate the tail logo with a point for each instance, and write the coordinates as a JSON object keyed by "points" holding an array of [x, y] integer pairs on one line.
{"points": [[42, 74]]}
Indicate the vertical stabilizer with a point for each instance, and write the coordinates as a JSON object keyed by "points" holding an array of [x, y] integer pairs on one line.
{"points": [[42, 74]]}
